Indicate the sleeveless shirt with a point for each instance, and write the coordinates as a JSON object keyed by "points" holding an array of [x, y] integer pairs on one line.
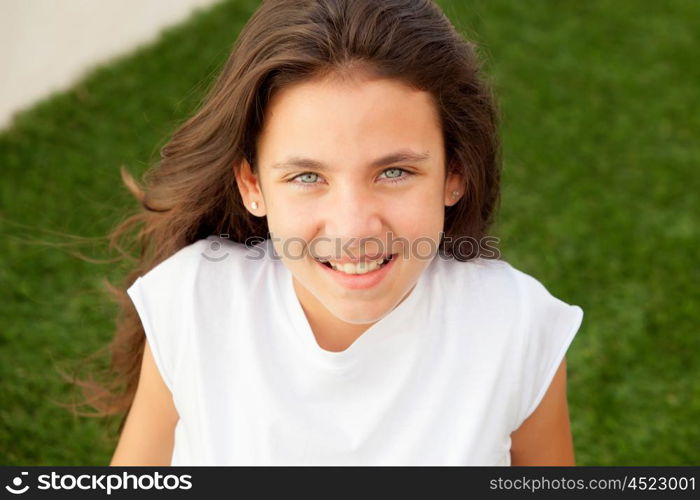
{"points": [[443, 379]]}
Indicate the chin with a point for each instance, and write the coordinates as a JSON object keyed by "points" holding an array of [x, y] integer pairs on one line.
{"points": [[359, 314]]}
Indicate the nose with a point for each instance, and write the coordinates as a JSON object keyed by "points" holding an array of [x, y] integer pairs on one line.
{"points": [[354, 213]]}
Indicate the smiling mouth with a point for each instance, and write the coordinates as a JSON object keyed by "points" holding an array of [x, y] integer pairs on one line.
{"points": [[357, 268]]}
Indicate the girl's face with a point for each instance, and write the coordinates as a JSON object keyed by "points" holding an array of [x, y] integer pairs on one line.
{"points": [[340, 201]]}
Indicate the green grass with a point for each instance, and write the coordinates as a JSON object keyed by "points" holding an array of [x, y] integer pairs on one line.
{"points": [[599, 101]]}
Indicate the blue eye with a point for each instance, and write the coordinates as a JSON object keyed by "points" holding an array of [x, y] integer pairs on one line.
{"points": [[397, 178], [393, 179], [305, 174]]}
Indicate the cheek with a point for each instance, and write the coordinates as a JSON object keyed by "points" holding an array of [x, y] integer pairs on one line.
{"points": [[423, 209], [295, 220], [292, 222], [421, 223]]}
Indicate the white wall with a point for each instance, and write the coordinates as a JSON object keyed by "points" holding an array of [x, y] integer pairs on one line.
{"points": [[46, 45]]}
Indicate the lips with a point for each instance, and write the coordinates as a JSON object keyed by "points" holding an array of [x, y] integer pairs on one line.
{"points": [[355, 261], [359, 281]]}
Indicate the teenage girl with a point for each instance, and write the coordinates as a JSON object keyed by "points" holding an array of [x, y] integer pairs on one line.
{"points": [[316, 283]]}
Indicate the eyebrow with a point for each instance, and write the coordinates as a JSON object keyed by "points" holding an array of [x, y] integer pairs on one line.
{"points": [[401, 156]]}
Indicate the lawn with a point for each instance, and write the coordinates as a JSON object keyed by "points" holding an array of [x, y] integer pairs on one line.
{"points": [[601, 115]]}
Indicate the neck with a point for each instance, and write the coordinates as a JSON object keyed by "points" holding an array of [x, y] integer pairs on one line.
{"points": [[331, 333]]}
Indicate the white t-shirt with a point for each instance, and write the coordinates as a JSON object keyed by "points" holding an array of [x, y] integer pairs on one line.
{"points": [[443, 379]]}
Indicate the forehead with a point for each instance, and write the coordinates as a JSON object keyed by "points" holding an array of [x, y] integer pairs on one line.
{"points": [[353, 121]]}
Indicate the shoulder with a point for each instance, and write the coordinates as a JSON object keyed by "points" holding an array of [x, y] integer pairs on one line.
{"points": [[498, 282], [212, 255], [202, 278], [513, 305], [546, 312], [519, 325], [491, 284]]}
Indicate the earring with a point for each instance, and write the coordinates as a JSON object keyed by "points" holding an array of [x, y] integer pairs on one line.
{"points": [[254, 205], [455, 194]]}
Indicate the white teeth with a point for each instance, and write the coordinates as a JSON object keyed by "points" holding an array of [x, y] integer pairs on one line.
{"points": [[359, 268]]}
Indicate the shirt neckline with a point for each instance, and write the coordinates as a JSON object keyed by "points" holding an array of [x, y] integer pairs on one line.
{"points": [[393, 323]]}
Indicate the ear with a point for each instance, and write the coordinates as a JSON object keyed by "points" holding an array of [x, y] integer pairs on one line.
{"points": [[249, 186], [454, 182]]}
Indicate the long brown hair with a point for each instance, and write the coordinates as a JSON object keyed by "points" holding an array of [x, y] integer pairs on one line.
{"points": [[191, 192]]}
